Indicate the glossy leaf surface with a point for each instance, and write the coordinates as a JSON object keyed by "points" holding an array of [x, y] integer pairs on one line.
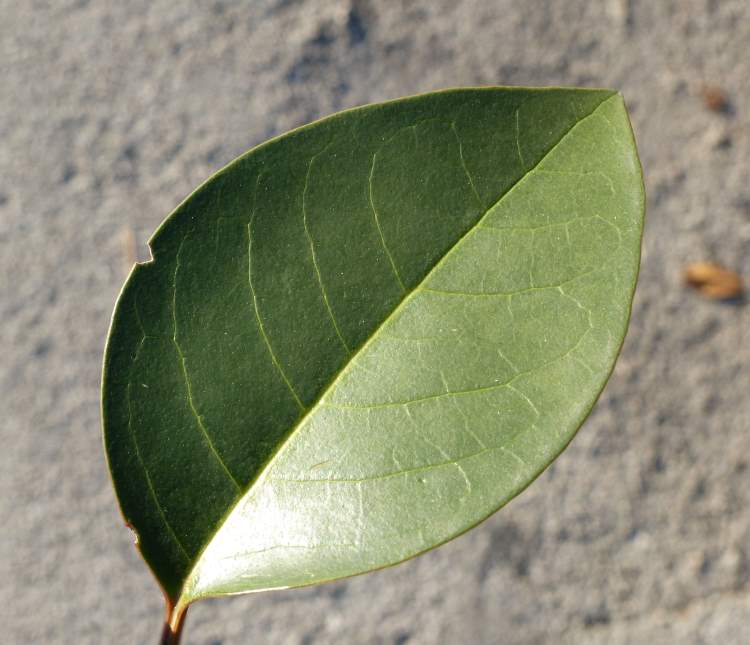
{"points": [[362, 338]]}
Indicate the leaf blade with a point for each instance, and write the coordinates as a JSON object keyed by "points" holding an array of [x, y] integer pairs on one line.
{"points": [[474, 188]]}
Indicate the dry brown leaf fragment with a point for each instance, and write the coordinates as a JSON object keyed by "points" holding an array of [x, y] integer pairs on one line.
{"points": [[713, 280], [128, 248], [715, 98]]}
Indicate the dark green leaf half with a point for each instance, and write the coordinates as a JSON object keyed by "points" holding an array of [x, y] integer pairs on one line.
{"points": [[360, 339]]}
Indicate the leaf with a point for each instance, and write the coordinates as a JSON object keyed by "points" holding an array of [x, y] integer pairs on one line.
{"points": [[362, 338]]}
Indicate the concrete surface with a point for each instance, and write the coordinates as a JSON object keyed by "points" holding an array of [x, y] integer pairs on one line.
{"points": [[110, 112]]}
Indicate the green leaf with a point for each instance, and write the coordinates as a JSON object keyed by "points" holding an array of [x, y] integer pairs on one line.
{"points": [[362, 338]]}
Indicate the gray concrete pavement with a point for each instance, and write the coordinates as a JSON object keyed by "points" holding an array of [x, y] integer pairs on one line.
{"points": [[111, 112]]}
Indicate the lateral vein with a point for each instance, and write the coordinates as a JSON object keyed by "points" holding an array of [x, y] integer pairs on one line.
{"points": [[315, 257], [150, 483], [463, 164], [259, 321], [380, 230], [191, 403]]}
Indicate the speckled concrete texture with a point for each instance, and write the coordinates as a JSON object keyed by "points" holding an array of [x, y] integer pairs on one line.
{"points": [[111, 112]]}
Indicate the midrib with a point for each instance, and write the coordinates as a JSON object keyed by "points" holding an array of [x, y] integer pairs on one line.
{"points": [[258, 481]]}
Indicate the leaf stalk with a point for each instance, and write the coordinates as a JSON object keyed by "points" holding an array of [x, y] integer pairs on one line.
{"points": [[172, 632]]}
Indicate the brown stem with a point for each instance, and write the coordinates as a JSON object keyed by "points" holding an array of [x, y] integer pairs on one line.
{"points": [[172, 632]]}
